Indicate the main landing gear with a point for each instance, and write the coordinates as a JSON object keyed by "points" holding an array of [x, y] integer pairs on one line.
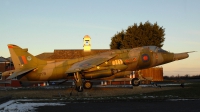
{"points": [[87, 85], [79, 83]]}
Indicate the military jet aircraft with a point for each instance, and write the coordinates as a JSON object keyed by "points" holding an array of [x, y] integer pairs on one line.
{"points": [[107, 65]]}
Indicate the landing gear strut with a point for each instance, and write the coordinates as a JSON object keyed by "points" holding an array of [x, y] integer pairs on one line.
{"points": [[79, 88], [136, 81], [78, 82]]}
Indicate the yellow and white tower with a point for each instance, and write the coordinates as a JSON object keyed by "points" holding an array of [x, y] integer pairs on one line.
{"points": [[87, 43]]}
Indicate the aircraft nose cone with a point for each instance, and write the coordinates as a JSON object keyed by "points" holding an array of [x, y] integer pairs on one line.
{"points": [[180, 56]]}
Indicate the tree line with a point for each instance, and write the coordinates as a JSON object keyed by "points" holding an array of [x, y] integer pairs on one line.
{"points": [[139, 35]]}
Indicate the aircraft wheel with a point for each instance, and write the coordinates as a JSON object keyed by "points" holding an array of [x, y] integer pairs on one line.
{"points": [[135, 82], [79, 89], [87, 85]]}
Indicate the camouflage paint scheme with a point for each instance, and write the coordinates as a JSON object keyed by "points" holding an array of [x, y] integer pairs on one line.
{"points": [[111, 64]]}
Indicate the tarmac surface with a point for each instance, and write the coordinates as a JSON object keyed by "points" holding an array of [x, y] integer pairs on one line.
{"points": [[123, 106], [106, 99], [44, 105], [68, 92]]}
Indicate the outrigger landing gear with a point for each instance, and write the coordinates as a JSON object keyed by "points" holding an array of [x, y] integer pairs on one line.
{"points": [[78, 82], [79, 88]]}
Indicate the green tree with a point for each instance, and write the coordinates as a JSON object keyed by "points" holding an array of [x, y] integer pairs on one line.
{"points": [[139, 35], [116, 42]]}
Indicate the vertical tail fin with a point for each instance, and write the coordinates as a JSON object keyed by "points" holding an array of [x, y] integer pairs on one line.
{"points": [[22, 58]]}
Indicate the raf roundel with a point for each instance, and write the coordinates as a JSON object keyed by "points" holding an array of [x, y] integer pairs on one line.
{"points": [[29, 58], [145, 57]]}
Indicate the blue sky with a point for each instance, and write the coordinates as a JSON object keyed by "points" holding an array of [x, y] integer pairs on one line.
{"points": [[45, 25]]}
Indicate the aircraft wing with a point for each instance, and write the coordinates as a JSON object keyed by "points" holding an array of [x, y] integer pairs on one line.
{"points": [[91, 62], [20, 72]]}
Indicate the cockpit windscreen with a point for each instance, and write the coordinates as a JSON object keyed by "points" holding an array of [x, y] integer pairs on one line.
{"points": [[156, 49]]}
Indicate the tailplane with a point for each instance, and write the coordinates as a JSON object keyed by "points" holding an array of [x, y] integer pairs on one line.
{"points": [[22, 58]]}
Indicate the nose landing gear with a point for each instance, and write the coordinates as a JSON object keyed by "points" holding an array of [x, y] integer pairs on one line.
{"points": [[135, 82]]}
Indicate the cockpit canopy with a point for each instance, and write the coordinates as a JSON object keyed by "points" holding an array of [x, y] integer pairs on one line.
{"points": [[156, 49]]}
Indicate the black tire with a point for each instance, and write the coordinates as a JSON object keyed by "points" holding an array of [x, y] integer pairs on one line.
{"points": [[87, 85], [135, 82], [79, 89]]}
